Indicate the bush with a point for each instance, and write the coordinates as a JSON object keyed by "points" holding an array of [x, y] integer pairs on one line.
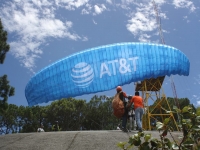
{"points": [[189, 124]]}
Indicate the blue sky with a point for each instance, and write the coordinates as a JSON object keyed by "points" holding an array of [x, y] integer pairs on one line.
{"points": [[41, 32]]}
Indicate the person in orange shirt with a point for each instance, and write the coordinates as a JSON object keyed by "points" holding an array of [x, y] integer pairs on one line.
{"points": [[139, 109]]}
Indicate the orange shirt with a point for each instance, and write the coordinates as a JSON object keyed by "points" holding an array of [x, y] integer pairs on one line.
{"points": [[138, 102]]}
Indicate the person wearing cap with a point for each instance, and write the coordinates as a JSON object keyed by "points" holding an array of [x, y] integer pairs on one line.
{"points": [[139, 109], [123, 96]]}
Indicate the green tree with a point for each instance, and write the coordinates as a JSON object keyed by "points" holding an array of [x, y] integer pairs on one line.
{"points": [[189, 140], [108, 120], [4, 47], [71, 114], [198, 111], [99, 115], [92, 115], [8, 122], [68, 112], [30, 119], [5, 89]]}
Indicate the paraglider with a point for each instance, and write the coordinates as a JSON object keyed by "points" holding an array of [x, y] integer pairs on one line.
{"points": [[104, 68]]}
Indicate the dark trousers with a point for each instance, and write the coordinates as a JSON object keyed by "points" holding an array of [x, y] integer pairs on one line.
{"points": [[124, 119]]}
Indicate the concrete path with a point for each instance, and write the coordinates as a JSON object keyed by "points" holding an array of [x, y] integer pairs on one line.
{"points": [[69, 140]]}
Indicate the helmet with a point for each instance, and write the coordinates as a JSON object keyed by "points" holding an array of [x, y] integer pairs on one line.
{"points": [[119, 88]]}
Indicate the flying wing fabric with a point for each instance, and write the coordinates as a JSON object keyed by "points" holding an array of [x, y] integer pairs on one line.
{"points": [[103, 68]]}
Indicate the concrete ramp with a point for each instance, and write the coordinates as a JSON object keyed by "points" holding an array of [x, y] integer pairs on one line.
{"points": [[68, 140]]}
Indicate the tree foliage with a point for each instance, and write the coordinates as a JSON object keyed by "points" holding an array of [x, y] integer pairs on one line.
{"points": [[189, 125], [155, 108], [71, 115], [4, 47], [5, 89]]}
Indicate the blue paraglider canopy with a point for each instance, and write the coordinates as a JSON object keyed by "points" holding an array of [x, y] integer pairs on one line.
{"points": [[103, 68]]}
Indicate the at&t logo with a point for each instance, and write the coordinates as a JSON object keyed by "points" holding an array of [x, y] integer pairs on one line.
{"points": [[82, 74]]}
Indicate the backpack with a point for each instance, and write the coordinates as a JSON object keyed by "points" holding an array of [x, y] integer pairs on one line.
{"points": [[118, 106]]}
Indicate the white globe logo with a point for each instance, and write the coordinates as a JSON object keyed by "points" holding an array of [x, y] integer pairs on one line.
{"points": [[82, 74]]}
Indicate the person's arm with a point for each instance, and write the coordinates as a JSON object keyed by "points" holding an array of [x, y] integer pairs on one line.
{"points": [[132, 99], [121, 97], [124, 94]]}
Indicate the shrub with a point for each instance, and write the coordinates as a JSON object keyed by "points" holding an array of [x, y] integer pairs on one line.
{"points": [[189, 124]]}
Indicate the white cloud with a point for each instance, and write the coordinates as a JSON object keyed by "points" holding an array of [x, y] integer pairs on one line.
{"points": [[99, 9], [41, 3], [33, 24], [186, 18], [94, 21], [159, 2], [85, 38], [198, 103], [142, 21], [35, 21], [184, 4], [71, 4], [197, 79], [26, 52], [195, 96], [109, 1], [144, 38], [84, 12], [197, 100], [87, 10]]}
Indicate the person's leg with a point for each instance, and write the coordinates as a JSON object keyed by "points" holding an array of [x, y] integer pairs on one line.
{"points": [[134, 123], [124, 121], [130, 123], [141, 114], [138, 118]]}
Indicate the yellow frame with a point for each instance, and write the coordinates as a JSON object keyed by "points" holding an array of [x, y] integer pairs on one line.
{"points": [[152, 90]]}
